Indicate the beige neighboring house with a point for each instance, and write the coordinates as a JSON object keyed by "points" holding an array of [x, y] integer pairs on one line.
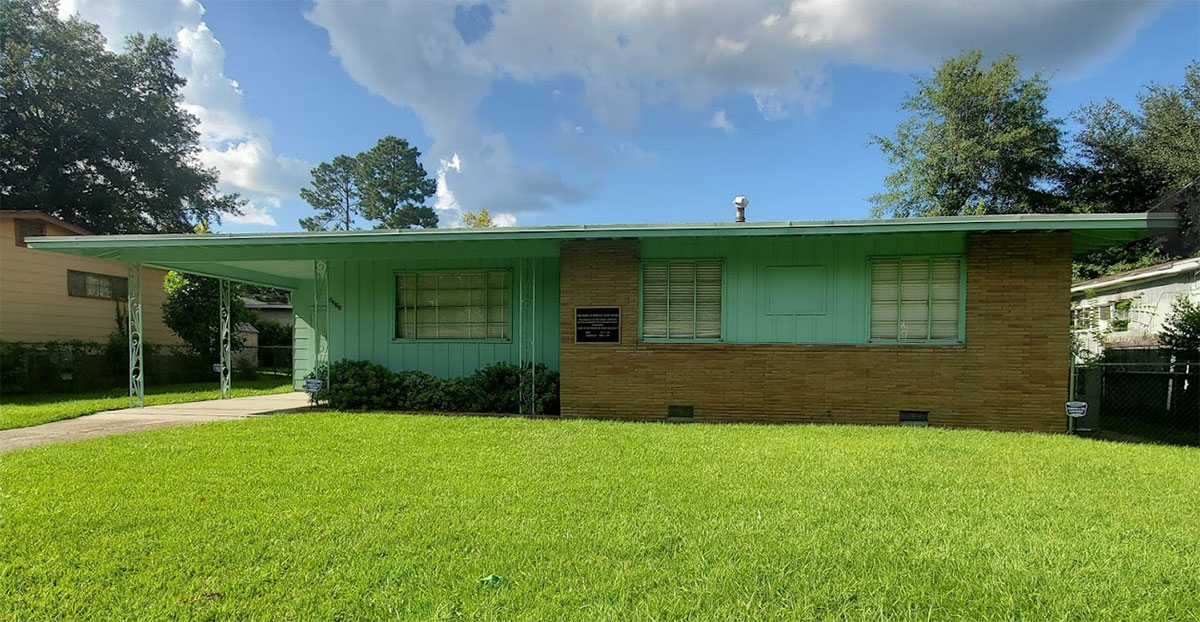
{"points": [[275, 311], [1129, 309], [47, 296]]}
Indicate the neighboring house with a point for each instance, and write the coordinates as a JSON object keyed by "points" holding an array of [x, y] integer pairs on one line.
{"points": [[274, 311], [1127, 310], [957, 321], [48, 296]]}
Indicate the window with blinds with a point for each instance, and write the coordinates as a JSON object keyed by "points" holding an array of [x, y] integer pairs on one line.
{"points": [[89, 285], [681, 300], [914, 300], [453, 305]]}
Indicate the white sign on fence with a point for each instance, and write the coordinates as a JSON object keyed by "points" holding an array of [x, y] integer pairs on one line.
{"points": [[1076, 409]]}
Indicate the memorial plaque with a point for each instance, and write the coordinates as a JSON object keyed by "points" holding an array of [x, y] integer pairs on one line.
{"points": [[597, 325]]}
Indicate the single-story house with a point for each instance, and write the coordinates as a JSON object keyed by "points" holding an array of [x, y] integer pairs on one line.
{"points": [[1128, 310], [280, 312], [956, 321]]}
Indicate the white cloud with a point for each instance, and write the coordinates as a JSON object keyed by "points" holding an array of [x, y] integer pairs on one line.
{"points": [[721, 122], [504, 219], [630, 54], [235, 144]]}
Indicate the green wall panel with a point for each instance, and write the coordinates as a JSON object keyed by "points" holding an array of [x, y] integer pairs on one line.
{"points": [[752, 280], [362, 316]]}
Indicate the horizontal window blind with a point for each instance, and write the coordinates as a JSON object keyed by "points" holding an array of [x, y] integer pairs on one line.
{"points": [[681, 300], [916, 299], [452, 305]]}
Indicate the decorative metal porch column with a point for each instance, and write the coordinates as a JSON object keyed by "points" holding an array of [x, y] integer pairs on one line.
{"points": [[137, 383], [320, 320], [226, 338], [527, 333]]}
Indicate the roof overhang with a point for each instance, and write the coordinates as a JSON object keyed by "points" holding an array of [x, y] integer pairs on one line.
{"points": [[276, 258]]}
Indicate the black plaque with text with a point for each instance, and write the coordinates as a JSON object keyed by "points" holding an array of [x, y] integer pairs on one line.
{"points": [[597, 325]]}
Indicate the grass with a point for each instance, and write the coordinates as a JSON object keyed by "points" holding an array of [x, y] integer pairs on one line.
{"points": [[19, 411], [331, 516]]}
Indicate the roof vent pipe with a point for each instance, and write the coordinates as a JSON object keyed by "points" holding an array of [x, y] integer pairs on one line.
{"points": [[740, 202]]}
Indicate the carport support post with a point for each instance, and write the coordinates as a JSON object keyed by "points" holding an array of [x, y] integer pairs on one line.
{"points": [[226, 338], [137, 384]]}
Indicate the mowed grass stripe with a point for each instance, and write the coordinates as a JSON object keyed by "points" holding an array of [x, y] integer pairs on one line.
{"points": [[350, 516]]}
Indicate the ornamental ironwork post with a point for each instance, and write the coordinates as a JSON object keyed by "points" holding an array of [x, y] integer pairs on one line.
{"points": [[321, 320], [137, 368], [226, 338]]}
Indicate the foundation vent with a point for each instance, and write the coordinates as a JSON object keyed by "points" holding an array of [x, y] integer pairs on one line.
{"points": [[679, 412], [914, 418]]}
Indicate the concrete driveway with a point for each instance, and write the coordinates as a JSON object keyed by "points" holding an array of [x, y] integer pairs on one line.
{"points": [[137, 419]]}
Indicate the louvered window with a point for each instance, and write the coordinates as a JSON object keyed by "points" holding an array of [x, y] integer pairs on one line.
{"points": [[681, 300], [26, 228], [452, 305], [90, 285], [914, 300]]}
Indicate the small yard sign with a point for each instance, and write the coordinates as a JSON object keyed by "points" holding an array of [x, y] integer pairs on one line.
{"points": [[312, 385], [1076, 409], [217, 367]]}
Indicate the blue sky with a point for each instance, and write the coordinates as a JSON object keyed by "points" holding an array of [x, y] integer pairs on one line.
{"points": [[579, 112]]}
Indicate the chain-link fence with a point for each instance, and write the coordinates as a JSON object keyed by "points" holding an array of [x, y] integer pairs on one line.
{"points": [[1146, 402]]}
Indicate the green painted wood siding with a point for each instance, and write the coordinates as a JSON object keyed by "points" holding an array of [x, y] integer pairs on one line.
{"points": [[845, 262], [364, 327]]}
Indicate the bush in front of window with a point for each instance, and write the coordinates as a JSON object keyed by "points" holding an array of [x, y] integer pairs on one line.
{"points": [[362, 385]]}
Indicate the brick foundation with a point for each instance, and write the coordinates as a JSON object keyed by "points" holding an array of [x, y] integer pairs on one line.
{"points": [[1010, 374]]}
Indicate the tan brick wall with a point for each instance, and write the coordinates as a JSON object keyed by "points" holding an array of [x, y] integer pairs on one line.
{"points": [[1011, 374]]}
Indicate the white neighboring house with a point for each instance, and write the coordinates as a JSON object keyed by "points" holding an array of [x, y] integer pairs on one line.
{"points": [[1128, 310]]}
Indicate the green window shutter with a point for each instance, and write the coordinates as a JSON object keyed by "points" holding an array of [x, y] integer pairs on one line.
{"points": [[885, 299]]}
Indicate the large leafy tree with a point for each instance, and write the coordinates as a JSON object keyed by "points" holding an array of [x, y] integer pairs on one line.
{"points": [[95, 137], [192, 310], [979, 141], [394, 185], [1139, 160], [334, 194]]}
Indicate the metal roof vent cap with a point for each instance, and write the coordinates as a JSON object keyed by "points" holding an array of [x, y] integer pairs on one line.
{"points": [[740, 202]]}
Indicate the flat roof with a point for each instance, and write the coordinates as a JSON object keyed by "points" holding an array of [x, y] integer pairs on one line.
{"points": [[1138, 275], [203, 254]]}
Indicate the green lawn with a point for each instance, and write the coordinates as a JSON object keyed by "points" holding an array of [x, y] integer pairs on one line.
{"points": [[19, 411], [332, 516]]}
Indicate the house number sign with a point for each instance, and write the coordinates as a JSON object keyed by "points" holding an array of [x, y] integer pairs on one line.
{"points": [[597, 325]]}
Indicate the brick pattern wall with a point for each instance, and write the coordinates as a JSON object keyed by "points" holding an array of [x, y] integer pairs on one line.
{"points": [[1011, 374]]}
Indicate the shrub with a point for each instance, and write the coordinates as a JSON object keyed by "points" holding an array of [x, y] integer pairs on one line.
{"points": [[361, 385]]}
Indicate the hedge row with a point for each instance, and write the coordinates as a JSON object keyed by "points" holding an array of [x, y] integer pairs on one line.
{"points": [[360, 385]]}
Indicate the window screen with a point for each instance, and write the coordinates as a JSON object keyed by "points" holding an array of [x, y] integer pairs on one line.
{"points": [[681, 300], [452, 305], [97, 285], [916, 299]]}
